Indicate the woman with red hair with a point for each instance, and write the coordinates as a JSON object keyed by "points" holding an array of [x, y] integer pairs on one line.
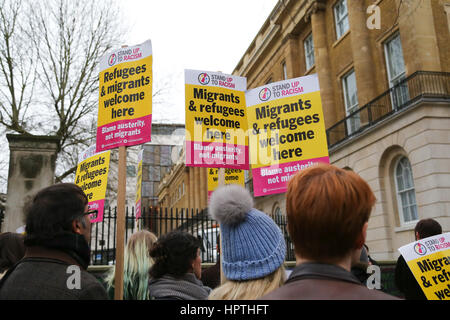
{"points": [[328, 211]]}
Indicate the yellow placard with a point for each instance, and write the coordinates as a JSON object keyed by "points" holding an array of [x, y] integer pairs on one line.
{"points": [[232, 176], [125, 92], [287, 130], [92, 176], [216, 122], [429, 261], [125, 97]]}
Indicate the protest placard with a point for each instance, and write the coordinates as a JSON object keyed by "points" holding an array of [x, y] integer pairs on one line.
{"points": [[139, 185], [231, 176], [429, 261], [92, 177], [216, 123], [286, 131], [125, 97]]}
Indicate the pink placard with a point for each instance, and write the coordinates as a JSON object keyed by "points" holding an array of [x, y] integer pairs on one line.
{"points": [[124, 133], [216, 155], [97, 205], [274, 179], [138, 209]]}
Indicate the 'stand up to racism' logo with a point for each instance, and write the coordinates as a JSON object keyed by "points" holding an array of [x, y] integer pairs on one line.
{"points": [[203, 78], [265, 94], [112, 59], [420, 249]]}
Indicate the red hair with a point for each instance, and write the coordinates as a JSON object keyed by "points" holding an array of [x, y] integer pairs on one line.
{"points": [[327, 208]]}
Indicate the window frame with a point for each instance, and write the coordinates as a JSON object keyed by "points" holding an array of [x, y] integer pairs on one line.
{"points": [[398, 194], [284, 67], [350, 109], [338, 20], [309, 52], [400, 94]]}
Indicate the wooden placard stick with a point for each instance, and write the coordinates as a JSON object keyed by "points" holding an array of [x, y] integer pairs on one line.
{"points": [[221, 180], [120, 222]]}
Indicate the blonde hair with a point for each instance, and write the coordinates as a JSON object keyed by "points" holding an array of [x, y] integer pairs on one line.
{"points": [[250, 289], [137, 263]]}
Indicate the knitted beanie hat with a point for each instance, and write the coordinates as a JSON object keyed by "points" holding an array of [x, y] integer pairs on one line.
{"points": [[253, 245]]}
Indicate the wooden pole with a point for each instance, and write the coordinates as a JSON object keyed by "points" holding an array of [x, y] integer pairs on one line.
{"points": [[120, 221], [221, 180], [120, 230]]}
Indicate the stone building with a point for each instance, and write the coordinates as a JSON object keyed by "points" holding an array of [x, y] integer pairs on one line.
{"points": [[385, 88], [184, 187]]}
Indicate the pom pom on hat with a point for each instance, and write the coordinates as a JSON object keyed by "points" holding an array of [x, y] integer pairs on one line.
{"points": [[253, 246], [230, 204]]}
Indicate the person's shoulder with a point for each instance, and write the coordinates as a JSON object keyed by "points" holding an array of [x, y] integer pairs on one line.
{"points": [[91, 288]]}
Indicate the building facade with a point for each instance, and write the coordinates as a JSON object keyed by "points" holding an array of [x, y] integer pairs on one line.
{"points": [[184, 187], [383, 69]]}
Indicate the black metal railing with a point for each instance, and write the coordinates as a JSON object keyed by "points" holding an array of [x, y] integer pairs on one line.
{"points": [[161, 221], [2, 216], [419, 85]]}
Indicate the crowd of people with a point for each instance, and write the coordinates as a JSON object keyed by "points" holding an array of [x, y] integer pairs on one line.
{"points": [[327, 210]]}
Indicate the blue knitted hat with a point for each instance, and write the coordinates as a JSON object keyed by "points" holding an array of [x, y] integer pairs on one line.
{"points": [[253, 245]]}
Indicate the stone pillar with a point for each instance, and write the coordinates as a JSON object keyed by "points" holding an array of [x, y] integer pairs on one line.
{"points": [[362, 52], [418, 35], [31, 168], [191, 188], [322, 60], [293, 67], [203, 188], [188, 187], [196, 188]]}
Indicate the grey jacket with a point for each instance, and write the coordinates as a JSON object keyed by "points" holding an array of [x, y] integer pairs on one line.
{"points": [[46, 274], [187, 287]]}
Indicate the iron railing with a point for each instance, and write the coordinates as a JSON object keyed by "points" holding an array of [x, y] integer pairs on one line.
{"points": [[161, 221], [2, 216], [406, 93]]}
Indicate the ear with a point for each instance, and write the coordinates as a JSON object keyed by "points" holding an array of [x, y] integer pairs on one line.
{"points": [[362, 236], [417, 236], [76, 227]]}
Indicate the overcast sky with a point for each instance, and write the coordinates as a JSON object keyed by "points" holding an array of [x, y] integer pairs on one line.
{"points": [[208, 35]]}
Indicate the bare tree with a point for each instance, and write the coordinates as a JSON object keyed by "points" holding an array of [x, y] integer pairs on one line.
{"points": [[49, 53]]}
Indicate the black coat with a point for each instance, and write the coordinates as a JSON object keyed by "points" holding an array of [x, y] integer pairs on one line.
{"points": [[406, 282], [44, 274]]}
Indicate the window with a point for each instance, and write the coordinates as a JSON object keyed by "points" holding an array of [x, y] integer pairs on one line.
{"points": [[341, 18], [396, 71], [131, 171], [351, 101], [284, 71], [309, 51], [277, 215], [406, 195]]}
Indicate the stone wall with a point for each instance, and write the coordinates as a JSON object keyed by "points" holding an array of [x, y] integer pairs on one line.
{"points": [[31, 168]]}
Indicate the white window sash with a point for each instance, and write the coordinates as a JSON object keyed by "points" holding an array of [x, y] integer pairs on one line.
{"points": [[405, 194], [309, 52], [353, 123], [340, 20]]}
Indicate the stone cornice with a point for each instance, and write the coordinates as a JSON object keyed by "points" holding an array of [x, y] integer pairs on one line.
{"points": [[316, 6]]}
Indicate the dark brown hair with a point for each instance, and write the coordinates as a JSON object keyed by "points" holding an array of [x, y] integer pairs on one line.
{"points": [[173, 254], [327, 208], [428, 228], [52, 210]]}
